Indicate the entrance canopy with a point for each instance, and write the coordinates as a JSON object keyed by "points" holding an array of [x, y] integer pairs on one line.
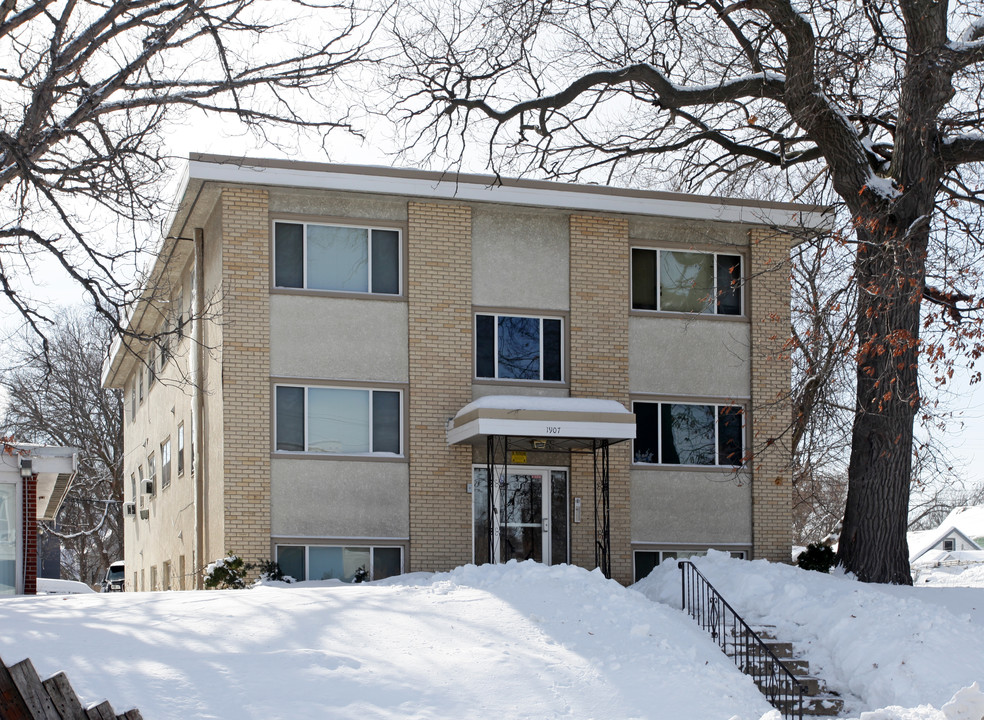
{"points": [[544, 423]]}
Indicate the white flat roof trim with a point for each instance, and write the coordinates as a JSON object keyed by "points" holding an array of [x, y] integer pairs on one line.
{"points": [[677, 207], [541, 429]]}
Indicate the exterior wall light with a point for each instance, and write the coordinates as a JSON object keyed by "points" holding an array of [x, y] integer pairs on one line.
{"points": [[26, 470]]}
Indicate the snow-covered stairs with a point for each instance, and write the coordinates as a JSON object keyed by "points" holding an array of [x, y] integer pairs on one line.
{"points": [[818, 701]]}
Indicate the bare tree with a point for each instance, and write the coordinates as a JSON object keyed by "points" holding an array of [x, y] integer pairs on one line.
{"points": [[880, 100], [88, 89], [57, 399]]}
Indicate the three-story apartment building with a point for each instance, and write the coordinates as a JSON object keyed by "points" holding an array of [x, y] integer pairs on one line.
{"points": [[351, 351]]}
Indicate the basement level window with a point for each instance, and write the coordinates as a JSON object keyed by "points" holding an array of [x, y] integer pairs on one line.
{"points": [[645, 561], [336, 562]]}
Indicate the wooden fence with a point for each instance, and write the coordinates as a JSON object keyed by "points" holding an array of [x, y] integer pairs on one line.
{"points": [[24, 696]]}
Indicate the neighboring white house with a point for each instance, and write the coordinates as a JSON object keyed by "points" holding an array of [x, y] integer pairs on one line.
{"points": [[969, 520], [945, 544], [34, 480]]}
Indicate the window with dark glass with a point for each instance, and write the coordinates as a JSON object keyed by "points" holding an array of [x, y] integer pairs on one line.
{"points": [[688, 434], [336, 257], [513, 347], [337, 562], [693, 282], [347, 421]]}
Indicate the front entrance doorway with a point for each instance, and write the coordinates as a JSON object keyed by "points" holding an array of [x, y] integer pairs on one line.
{"points": [[532, 511]]}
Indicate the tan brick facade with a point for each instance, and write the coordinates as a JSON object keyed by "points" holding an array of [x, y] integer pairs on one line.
{"points": [[599, 367], [770, 403], [246, 371], [440, 345]]}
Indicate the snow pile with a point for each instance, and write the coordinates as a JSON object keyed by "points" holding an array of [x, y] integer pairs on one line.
{"points": [[879, 646], [513, 641]]}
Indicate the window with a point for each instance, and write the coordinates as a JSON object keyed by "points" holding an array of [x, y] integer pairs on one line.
{"points": [[646, 560], [949, 545], [688, 434], [346, 421], [181, 449], [140, 374], [151, 367], [166, 463], [328, 562], [166, 575], [133, 399], [152, 471], [510, 347], [181, 572], [694, 282], [153, 577], [336, 257]]}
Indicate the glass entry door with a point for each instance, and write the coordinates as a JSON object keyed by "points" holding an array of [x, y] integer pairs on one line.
{"points": [[532, 511]]}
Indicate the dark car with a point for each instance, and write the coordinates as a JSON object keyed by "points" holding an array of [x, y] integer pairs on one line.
{"points": [[113, 582]]}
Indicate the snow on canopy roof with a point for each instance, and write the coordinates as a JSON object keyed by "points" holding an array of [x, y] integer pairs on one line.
{"points": [[561, 419], [546, 404]]}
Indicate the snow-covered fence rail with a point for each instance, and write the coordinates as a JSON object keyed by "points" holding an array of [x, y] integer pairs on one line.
{"points": [[25, 696], [740, 642]]}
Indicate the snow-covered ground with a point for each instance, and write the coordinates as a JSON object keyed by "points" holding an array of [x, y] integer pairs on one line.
{"points": [[514, 641], [878, 646]]}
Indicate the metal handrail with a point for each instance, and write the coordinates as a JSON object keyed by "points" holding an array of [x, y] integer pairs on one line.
{"points": [[739, 642]]}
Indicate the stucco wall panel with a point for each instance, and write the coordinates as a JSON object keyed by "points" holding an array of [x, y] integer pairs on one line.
{"points": [[339, 498], [520, 259], [672, 232], [294, 201], [312, 337], [689, 356], [690, 506]]}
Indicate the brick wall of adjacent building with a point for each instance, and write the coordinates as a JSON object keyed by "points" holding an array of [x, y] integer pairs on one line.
{"points": [[29, 538], [771, 410], [599, 367], [246, 371], [439, 293]]}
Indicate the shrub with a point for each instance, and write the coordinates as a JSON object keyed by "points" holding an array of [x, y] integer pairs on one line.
{"points": [[270, 570], [817, 557], [227, 573]]}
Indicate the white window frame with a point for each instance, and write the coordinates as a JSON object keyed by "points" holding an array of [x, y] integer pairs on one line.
{"points": [[372, 546], [152, 472], [495, 347], [307, 424], [181, 448], [166, 463], [304, 256], [717, 447], [742, 311]]}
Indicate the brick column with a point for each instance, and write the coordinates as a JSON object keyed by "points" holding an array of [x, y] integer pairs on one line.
{"points": [[29, 537], [599, 368], [246, 372], [771, 409], [439, 292]]}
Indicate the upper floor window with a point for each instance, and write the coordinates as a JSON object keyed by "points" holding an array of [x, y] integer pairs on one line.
{"points": [[345, 421], [181, 449], [336, 257], [512, 347], [166, 463], [688, 434], [694, 282]]}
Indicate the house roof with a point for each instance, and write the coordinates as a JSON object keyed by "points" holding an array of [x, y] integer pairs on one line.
{"points": [[969, 519], [54, 468], [206, 173]]}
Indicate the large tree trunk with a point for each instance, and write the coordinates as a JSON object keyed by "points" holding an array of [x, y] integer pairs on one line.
{"points": [[891, 277]]}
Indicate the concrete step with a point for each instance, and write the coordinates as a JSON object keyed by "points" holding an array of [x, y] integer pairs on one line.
{"points": [[799, 668], [822, 706]]}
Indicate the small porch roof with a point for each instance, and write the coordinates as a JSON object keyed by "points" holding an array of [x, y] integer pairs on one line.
{"points": [[562, 423], [53, 466]]}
